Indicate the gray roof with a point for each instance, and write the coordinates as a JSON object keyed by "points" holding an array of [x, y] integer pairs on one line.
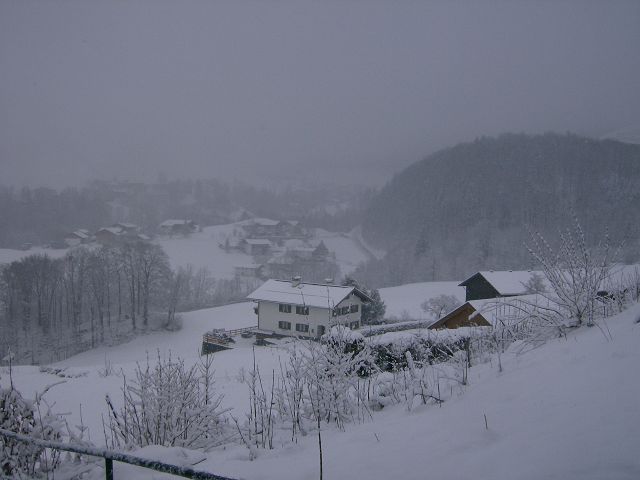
{"points": [[310, 294]]}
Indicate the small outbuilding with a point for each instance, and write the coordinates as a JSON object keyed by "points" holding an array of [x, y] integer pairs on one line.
{"points": [[495, 284]]}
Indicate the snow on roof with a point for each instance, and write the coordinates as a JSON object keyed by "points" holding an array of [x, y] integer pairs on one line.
{"points": [[311, 294], [257, 241], [80, 234], [114, 230], [252, 266], [172, 222], [509, 282], [265, 222], [126, 225]]}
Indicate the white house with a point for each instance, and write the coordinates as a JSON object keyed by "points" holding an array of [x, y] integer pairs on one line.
{"points": [[303, 309]]}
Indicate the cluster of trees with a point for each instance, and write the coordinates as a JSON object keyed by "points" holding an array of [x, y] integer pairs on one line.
{"points": [[43, 215], [470, 207], [53, 308]]}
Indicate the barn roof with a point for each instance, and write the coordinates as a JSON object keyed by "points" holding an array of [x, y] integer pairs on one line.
{"points": [[174, 221], [507, 282], [257, 241], [310, 294], [497, 310]]}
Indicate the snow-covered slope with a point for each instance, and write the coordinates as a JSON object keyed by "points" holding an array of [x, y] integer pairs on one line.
{"points": [[8, 255], [627, 135], [403, 302], [566, 410], [202, 250]]}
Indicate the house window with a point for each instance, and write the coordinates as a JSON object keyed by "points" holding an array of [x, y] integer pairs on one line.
{"points": [[302, 310], [354, 308], [302, 327], [354, 325], [344, 310], [282, 325], [284, 308], [321, 329]]}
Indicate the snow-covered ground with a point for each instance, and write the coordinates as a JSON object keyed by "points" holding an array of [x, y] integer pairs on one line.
{"points": [[202, 249], [403, 302], [8, 255], [566, 410], [349, 253]]}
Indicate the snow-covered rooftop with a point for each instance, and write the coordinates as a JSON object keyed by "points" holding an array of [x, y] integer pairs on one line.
{"points": [[174, 221], [509, 282], [81, 233], [266, 222], [257, 241], [114, 230], [311, 294]]}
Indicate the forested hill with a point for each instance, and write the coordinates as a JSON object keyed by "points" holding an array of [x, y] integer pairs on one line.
{"points": [[469, 207]]}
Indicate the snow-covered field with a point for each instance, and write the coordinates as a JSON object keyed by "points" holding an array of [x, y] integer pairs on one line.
{"points": [[403, 302], [565, 410], [8, 255], [202, 250]]}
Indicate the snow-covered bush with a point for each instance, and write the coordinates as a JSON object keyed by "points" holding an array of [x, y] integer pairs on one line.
{"points": [[575, 272], [26, 417], [168, 404]]}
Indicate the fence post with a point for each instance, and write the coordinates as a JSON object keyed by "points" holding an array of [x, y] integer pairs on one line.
{"points": [[108, 469]]}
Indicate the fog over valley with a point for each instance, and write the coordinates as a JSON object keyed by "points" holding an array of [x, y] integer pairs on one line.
{"points": [[319, 239], [284, 92]]}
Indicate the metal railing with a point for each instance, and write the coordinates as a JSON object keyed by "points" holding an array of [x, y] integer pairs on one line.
{"points": [[111, 456]]}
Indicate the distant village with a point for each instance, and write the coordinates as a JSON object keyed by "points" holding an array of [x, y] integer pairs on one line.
{"points": [[279, 248]]}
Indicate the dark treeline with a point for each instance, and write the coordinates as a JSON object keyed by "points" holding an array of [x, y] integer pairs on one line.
{"points": [[471, 207], [45, 216], [53, 308]]}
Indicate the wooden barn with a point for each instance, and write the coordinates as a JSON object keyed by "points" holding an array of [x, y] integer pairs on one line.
{"points": [[495, 284], [491, 312]]}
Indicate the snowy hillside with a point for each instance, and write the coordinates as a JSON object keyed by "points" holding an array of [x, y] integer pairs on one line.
{"points": [[8, 255], [403, 302], [203, 249], [565, 410], [627, 135]]}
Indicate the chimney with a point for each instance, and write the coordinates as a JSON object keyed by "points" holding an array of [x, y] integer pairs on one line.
{"points": [[295, 281]]}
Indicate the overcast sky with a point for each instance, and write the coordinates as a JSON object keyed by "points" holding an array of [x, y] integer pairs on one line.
{"points": [[298, 90]]}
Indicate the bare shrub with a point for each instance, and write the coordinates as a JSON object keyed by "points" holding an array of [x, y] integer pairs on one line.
{"points": [[168, 404]]}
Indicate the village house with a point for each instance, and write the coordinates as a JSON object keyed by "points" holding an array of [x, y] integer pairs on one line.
{"points": [[256, 246], [119, 233], [252, 270], [296, 308], [261, 228], [275, 230], [77, 237], [178, 227], [495, 284]]}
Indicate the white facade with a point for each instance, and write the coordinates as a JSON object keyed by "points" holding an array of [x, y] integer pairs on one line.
{"points": [[270, 318], [306, 310]]}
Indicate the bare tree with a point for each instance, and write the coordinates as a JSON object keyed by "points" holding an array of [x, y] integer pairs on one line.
{"points": [[438, 306], [574, 271]]}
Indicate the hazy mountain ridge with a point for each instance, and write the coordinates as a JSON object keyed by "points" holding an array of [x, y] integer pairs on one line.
{"points": [[470, 206]]}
